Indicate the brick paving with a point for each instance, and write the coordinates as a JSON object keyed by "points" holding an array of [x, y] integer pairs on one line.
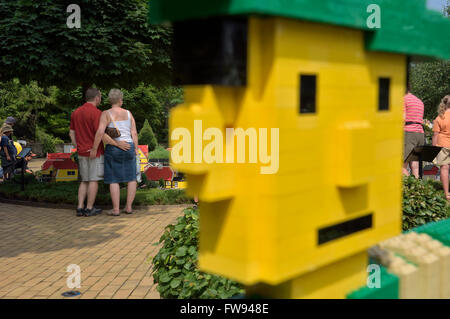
{"points": [[38, 244]]}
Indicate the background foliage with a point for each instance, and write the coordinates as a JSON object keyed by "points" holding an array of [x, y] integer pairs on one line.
{"points": [[430, 81], [50, 108], [115, 45], [45, 66], [175, 266]]}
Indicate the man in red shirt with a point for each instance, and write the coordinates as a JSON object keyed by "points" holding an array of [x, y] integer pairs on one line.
{"points": [[83, 126]]}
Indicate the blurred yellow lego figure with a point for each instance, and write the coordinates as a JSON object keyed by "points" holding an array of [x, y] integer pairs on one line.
{"points": [[331, 94]]}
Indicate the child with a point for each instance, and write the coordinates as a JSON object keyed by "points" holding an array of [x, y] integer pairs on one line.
{"points": [[7, 152]]}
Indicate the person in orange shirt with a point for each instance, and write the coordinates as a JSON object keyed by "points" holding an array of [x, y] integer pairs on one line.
{"points": [[441, 138]]}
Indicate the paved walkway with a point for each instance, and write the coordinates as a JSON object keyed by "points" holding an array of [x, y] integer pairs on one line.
{"points": [[38, 244]]}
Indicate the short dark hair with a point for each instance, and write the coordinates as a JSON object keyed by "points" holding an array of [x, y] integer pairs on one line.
{"points": [[91, 94]]}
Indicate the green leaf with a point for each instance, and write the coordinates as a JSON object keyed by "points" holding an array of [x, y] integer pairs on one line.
{"points": [[175, 283], [181, 252], [192, 250], [165, 278]]}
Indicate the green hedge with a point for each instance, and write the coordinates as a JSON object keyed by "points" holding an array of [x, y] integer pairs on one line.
{"points": [[175, 266], [159, 153], [67, 193]]}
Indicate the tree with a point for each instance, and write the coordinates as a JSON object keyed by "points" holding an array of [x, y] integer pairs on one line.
{"points": [[115, 46], [26, 103], [146, 137], [152, 103], [430, 81]]}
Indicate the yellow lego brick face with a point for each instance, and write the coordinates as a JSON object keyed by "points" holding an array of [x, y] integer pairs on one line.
{"points": [[337, 189]]}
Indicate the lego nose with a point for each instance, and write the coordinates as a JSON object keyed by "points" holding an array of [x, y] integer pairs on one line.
{"points": [[354, 153]]}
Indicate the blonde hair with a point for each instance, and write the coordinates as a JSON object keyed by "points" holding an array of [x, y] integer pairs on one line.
{"points": [[114, 96], [444, 105]]}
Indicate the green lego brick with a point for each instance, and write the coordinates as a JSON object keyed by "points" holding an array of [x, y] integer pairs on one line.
{"points": [[437, 230], [389, 288], [405, 28]]}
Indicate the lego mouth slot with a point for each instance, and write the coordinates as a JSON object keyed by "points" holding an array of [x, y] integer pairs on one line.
{"points": [[344, 229]]}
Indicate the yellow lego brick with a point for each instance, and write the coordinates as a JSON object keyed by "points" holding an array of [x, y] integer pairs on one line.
{"points": [[340, 277], [354, 167]]}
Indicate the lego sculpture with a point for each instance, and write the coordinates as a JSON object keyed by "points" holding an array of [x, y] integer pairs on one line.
{"points": [[298, 222]]}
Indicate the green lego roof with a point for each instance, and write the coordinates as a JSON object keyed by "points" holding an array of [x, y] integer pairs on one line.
{"points": [[407, 27]]}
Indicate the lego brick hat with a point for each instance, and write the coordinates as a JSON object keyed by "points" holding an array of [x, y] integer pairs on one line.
{"points": [[10, 120], [7, 128]]}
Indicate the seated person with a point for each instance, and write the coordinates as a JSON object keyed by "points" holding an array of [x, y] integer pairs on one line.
{"points": [[8, 152]]}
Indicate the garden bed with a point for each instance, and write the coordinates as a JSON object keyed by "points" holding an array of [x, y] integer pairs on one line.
{"points": [[67, 193]]}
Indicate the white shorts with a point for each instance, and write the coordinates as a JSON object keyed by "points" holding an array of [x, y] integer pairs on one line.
{"points": [[91, 169]]}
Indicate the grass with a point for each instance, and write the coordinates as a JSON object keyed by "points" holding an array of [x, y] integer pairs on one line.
{"points": [[67, 193]]}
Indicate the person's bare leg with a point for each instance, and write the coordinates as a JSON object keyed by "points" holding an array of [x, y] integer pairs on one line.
{"points": [[444, 179], [131, 193], [405, 169], [115, 197], [91, 194], [415, 169], [82, 192]]}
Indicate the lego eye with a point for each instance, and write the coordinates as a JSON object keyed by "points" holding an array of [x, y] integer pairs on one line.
{"points": [[211, 51], [308, 94], [383, 93]]}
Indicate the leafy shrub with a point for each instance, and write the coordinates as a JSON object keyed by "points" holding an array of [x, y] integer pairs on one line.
{"points": [[147, 137], [28, 179], [423, 202], [49, 141], [159, 153], [175, 266], [152, 184], [74, 157], [144, 180]]}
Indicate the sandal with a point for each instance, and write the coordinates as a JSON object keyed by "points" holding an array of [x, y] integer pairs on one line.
{"points": [[128, 213], [111, 213]]}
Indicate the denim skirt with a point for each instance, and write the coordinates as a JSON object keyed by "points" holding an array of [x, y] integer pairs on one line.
{"points": [[120, 166]]}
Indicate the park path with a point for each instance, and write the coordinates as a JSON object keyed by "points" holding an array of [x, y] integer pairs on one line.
{"points": [[38, 244]]}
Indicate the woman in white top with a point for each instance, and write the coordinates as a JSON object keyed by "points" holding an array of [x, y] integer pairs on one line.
{"points": [[120, 166]]}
